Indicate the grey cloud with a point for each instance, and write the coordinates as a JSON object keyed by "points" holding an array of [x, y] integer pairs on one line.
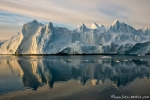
{"points": [[113, 10], [74, 12]]}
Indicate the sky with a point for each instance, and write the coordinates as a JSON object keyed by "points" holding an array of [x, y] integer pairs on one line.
{"points": [[70, 13]]}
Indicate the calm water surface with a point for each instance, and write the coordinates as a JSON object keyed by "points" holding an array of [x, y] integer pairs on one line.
{"points": [[91, 77]]}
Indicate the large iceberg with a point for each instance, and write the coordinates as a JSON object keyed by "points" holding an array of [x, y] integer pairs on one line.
{"points": [[118, 38]]}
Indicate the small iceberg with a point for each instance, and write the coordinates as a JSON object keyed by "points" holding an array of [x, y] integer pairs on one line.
{"points": [[117, 61], [68, 60], [141, 59], [141, 54], [106, 57]]}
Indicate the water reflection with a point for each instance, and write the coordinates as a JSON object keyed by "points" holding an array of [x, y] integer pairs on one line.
{"points": [[36, 72]]}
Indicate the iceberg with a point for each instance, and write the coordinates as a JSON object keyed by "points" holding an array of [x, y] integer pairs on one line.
{"points": [[118, 38]]}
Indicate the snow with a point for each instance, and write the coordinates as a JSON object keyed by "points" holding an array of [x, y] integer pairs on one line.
{"points": [[118, 38]]}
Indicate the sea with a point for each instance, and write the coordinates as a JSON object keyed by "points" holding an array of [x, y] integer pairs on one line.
{"points": [[75, 77]]}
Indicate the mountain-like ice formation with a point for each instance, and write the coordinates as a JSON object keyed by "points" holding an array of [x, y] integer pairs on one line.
{"points": [[118, 38]]}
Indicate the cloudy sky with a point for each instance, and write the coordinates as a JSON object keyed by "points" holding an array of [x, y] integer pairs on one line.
{"points": [[70, 13]]}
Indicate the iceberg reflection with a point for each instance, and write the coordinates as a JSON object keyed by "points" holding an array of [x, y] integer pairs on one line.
{"points": [[36, 72]]}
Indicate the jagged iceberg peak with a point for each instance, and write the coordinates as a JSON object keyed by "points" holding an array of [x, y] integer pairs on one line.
{"points": [[102, 28], [116, 22], [122, 27], [147, 28], [94, 26], [100, 25], [115, 27], [31, 27], [50, 25], [81, 27], [33, 22]]}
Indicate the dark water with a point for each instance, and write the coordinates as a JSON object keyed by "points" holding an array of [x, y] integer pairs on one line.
{"points": [[91, 77]]}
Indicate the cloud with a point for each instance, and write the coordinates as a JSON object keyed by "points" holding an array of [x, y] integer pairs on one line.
{"points": [[7, 31], [51, 10], [11, 24], [10, 18], [20, 20], [73, 12], [113, 10]]}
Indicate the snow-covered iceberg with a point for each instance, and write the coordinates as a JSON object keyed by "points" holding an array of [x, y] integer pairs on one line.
{"points": [[118, 38]]}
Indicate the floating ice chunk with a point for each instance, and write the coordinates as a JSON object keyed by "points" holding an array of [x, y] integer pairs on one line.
{"points": [[117, 61], [106, 57], [68, 60], [141, 54]]}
